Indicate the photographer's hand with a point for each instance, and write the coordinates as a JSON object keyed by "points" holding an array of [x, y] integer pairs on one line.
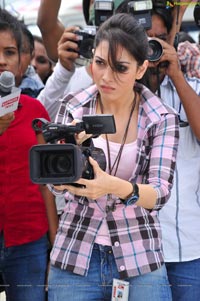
{"points": [[5, 121], [172, 69], [189, 98], [67, 48]]}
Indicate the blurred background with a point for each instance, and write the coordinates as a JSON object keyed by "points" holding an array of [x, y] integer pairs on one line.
{"points": [[71, 14]]}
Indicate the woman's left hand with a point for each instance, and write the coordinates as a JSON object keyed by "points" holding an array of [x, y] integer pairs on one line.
{"points": [[91, 189], [82, 136]]}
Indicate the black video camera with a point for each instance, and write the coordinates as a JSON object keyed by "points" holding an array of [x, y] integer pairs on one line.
{"points": [[65, 163]]}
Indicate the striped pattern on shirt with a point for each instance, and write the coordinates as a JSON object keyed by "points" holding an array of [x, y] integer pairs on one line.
{"points": [[135, 231]]}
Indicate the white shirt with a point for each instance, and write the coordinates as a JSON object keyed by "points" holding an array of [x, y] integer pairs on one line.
{"points": [[61, 83], [180, 217]]}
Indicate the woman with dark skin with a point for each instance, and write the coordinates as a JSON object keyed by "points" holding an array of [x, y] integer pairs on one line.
{"points": [[23, 214]]}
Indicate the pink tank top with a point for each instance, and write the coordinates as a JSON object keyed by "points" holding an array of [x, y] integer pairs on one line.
{"points": [[125, 170]]}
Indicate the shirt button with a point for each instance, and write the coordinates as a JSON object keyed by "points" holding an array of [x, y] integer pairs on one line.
{"points": [[122, 268], [116, 244]]}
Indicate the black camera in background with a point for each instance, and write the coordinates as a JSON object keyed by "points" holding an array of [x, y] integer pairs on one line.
{"points": [[140, 9], [196, 13], [102, 11]]}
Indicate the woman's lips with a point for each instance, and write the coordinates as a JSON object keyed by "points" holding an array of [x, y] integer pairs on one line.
{"points": [[107, 88]]}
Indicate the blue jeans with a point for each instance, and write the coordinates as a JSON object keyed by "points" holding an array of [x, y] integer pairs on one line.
{"points": [[97, 285], [23, 270], [184, 278]]}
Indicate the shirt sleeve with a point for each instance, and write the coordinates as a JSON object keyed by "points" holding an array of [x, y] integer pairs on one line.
{"points": [[163, 158], [54, 89]]}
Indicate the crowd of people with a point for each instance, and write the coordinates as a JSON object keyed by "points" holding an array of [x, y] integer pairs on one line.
{"points": [[137, 219]]}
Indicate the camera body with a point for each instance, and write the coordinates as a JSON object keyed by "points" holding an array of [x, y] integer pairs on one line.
{"points": [[196, 13], [103, 9], [65, 163], [86, 41], [141, 10]]}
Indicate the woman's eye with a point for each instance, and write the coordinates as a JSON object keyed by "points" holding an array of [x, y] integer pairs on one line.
{"points": [[99, 62], [121, 68], [10, 52]]}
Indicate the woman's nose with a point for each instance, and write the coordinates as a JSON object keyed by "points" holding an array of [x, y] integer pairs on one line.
{"points": [[2, 59], [108, 73]]}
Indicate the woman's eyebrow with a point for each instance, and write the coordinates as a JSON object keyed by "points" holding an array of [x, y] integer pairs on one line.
{"points": [[118, 62], [10, 47]]}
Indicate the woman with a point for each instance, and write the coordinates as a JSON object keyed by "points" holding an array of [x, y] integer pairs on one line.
{"points": [[40, 61], [27, 79], [110, 227], [23, 217]]}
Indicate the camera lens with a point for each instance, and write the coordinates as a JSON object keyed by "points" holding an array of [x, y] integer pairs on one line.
{"points": [[155, 50], [58, 163]]}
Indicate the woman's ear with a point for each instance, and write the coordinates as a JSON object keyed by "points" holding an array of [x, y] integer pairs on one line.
{"points": [[142, 69]]}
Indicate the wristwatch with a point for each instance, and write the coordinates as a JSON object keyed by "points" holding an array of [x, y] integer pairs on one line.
{"points": [[133, 197]]}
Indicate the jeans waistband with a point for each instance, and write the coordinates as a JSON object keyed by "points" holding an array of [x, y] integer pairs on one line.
{"points": [[102, 248]]}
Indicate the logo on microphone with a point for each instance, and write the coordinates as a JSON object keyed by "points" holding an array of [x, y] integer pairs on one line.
{"points": [[9, 94]]}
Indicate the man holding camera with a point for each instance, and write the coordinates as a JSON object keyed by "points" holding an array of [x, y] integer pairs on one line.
{"points": [[180, 217]]}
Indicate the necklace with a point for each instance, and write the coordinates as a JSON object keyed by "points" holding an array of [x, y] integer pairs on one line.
{"points": [[113, 169]]}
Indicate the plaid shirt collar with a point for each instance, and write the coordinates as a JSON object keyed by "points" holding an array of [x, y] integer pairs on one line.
{"points": [[73, 102]]}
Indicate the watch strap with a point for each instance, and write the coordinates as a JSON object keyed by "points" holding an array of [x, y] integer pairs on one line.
{"points": [[133, 197]]}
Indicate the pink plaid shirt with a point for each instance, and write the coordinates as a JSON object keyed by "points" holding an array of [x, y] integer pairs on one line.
{"points": [[134, 231]]}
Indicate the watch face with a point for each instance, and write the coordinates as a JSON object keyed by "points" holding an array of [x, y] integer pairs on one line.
{"points": [[132, 200]]}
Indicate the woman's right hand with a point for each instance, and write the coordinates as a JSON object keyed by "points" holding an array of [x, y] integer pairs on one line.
{"points": [[5, 121]]}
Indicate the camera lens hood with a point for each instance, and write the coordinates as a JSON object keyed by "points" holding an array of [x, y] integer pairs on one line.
{"points": [[155, 50]]}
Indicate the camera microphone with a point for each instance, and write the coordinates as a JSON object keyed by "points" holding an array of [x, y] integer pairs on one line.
{"points": [[9, 94], [196, 14], [7, 82]]}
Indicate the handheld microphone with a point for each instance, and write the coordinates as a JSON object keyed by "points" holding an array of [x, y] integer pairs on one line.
{"points": [[196, 13], [9, 94], [7, 82]]}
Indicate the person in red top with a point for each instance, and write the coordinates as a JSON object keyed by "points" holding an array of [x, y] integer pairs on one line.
{"points": [[23, 214]]}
